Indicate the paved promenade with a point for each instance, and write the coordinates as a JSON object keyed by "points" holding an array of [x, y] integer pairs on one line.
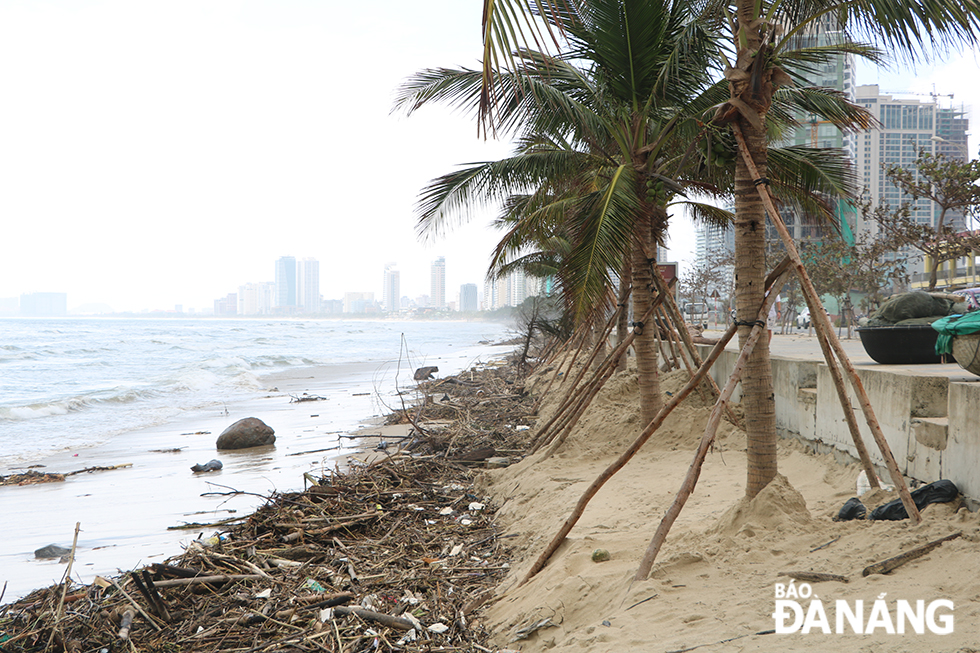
{"points": [[803, 346]]}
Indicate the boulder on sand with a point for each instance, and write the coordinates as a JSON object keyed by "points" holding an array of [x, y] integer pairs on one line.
{"points": [[245, 433]]}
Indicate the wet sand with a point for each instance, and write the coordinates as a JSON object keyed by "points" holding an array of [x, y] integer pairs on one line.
{"points": [[125, 513]]}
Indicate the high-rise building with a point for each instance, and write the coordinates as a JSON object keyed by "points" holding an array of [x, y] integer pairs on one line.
{"points": [[838, 73], [907, 126], [286, 282], [308, 285], [467, 297], [391, 293], [256, 298], [437, 296], [227, 305]]}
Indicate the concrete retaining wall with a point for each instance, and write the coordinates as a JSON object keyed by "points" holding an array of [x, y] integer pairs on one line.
{"points": [[932, 424]]}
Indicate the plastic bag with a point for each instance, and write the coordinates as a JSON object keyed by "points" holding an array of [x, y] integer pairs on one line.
{"points": [[942, 491], [853, 509]]}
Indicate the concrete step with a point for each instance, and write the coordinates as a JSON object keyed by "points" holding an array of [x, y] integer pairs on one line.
{"points": [[931, 432]]}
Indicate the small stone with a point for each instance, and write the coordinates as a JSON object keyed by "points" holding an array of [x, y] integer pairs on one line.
{"points": [[210, 466], [600, 555], [51, 551]]}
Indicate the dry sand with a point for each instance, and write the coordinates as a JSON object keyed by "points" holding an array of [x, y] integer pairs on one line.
{"points": [[716, 576]]}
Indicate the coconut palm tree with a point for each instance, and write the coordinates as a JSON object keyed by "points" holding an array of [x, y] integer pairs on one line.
{"points": [[595, 123], [762, 34], [586, 159]]}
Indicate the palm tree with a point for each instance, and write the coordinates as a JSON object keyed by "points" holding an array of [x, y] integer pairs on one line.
{"points": [[763, 31], [597, 124], [587, 152]]}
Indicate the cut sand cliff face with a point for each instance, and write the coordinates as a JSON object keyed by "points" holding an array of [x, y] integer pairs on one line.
{"points": [[714, 584]]}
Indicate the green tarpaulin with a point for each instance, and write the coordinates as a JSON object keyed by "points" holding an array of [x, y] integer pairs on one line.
{"points": [[955, 325]]}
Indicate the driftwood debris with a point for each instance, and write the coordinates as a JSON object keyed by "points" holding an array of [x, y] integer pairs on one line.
{"points": [[402, 541], [293, 399], [886, 566], [813, 576], [33, 477]]}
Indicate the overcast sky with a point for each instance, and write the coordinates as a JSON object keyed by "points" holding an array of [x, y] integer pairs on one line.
{"points": [[166, 152]]}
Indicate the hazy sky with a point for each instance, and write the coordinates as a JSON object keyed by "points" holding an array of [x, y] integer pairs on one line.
{"points": [[166, 152]]}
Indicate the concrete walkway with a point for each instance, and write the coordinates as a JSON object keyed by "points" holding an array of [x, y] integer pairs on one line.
{"points": [[804, 346]]}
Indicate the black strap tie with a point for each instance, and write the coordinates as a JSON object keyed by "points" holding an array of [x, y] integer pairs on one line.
{"points": [[637, 327], [750, 323], [761, 181]]}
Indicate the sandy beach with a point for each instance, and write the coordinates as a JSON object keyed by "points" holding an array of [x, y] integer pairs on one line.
{"points": [[714, 585], [125, 513], [719, 580]]}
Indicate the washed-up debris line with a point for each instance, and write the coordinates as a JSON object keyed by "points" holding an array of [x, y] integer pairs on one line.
{"points": [[396, 555]]}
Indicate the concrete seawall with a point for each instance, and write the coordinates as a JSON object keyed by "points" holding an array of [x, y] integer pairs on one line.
{"points": [[930, 414]]}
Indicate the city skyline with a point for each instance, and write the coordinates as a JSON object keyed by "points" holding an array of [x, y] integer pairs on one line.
{"points": [[142, 176], [191, 168]]}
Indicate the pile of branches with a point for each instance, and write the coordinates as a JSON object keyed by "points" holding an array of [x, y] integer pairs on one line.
{"points": [[391, 556], [472, 416], [396, 555]]}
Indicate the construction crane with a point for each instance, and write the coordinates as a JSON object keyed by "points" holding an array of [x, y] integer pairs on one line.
{"points": [[933, 94], [814, 126]]}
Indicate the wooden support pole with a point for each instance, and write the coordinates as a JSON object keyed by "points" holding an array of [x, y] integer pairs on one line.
{"points": [[625, 457], [561, 416], [814, 300], [675, 310], [710, 429], [845, 402], [574, 391]]}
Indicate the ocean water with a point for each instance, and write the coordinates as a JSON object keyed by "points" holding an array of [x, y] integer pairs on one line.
{"points": [[151, 396], [67, 384]]}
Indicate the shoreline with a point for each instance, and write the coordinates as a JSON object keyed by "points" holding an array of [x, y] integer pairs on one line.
{"points": [[713, 583], [125, 513], [400, 534]]}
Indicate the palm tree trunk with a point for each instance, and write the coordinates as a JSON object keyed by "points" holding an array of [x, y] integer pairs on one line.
{"points": [[750, 272], [645, 343], [622, 321]]}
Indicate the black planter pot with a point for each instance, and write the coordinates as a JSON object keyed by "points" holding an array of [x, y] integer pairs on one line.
{"points": [[913, 344]]}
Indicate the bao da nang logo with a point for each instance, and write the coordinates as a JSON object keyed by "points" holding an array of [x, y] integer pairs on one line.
{"points": [[798, 609]]}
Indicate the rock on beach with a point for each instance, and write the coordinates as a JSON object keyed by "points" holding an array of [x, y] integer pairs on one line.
{"points": [[245, 433]]}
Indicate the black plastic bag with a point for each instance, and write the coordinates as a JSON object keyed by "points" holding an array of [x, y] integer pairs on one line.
{"points": [[942, 491], [853, 509]]}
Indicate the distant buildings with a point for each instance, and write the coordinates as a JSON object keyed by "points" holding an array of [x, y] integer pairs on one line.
{"points": [[286, 282], [511, 290], [359, 302], [308, 285], [391, 292], [296, 291], [468, 301], [437, 295], [227, 305], [907, 125], [256, 298]]}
